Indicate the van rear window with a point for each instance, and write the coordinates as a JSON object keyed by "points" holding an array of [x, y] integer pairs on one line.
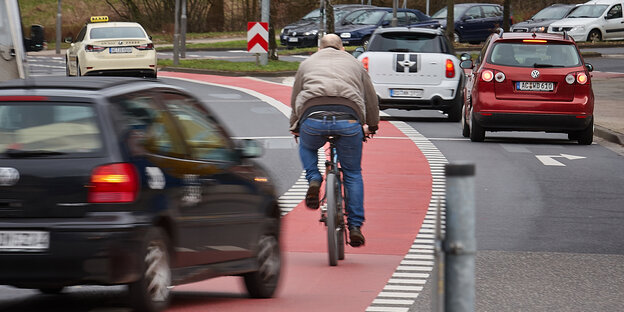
{"points": [[405, 42], [52, 129]]}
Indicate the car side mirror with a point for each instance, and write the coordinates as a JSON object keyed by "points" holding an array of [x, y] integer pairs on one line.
{"points": [[465, 57], [467, 64], [358, 51], [248, 148], [589, 67], [68, 40]]}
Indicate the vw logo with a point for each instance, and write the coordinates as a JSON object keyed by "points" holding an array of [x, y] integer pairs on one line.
{"points": [[406, 63], [8, 176], [535, 74]]}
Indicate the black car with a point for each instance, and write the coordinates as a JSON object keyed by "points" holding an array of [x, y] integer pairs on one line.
{"points": [[111, 181], [542, 19], [474, 22], [304, 32]]}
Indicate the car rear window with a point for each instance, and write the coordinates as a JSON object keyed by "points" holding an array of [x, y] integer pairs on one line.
{"points": [[534, 55], [405, 42], [48, 129], [116, 32]]}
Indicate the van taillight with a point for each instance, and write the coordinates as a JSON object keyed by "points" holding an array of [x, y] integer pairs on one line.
{"points": [[113, 183], [450, 69], [365, 63]]}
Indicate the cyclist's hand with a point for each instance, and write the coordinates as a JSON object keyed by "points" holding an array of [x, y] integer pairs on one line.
{"points": [[296, 135]]}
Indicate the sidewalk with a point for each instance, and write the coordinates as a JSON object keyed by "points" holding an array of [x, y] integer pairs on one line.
{"points": [[609, 106]]}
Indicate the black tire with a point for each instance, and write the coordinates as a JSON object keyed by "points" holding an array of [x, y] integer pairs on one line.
{"points": [[465, 127], [151, 292], [477, 134], [263, 283], [594, 36], [78, 74], [586, 137], [340, 236], [332, 218], [455, 112], [51, 290], [67, 73]]}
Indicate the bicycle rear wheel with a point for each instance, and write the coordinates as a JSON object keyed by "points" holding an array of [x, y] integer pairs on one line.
{"points": [[332, 219], [340, 227]]}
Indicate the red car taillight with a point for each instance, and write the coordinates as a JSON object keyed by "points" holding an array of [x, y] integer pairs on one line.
{"points": [[450, 69], [114, 183], [579, 77], [92, 48], [365, 63], [487, 75], [149, 46]]}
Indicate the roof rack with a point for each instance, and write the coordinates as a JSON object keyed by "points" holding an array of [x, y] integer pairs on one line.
{"points": [[565, 35], [500, 32]]}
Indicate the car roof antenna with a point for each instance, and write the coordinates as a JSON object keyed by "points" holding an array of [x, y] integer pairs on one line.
{"points": [[534, 35]]}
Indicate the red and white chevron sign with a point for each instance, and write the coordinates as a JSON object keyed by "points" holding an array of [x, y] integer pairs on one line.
{"points": [[257, 37]]}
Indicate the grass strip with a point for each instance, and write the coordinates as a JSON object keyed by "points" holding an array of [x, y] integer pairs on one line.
{"points": [[221, 65]]}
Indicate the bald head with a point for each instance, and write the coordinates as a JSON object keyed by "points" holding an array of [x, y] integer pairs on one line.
{"points": [[331, 40]]}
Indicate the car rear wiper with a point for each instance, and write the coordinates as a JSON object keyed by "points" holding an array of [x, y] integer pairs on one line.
{"points": [[31, 153], [536, 65], [399, 50]]}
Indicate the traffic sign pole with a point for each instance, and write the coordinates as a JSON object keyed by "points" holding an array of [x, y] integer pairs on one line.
{"points": [[266, 4]]}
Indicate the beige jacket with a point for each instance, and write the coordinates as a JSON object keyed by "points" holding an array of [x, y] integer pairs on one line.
{"points": [[333, 76]]}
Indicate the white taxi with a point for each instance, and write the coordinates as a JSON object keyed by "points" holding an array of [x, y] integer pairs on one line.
{"points": [[111, 49]]}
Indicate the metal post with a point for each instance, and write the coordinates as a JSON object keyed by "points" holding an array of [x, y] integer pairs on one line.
{"points": [[176, 34], [459, 244], [183, 31], [395, 20], [266, 10], [58, 28], [427, 8], [321, 29]]}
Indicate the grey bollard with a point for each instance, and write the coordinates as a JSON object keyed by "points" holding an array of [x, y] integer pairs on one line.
{"points": [[460, 243]]}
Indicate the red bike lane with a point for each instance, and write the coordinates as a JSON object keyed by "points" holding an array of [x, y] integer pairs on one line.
{"points": [[397, 183]]}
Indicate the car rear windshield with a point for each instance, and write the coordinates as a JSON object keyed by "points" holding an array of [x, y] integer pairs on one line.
{"points": [[534, 55], [116, 32], [40, 130], [405, 42]]}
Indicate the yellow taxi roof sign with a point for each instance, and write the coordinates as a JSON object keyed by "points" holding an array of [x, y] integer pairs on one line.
{"points": [[99, 19]]}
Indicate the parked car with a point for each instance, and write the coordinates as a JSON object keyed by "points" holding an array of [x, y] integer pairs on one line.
{"points": [[304, 33], [542, 19], [528, 82], [414, 68], [120, 180], [357, 27], [593, 21], [104, 48], [474, 22]]}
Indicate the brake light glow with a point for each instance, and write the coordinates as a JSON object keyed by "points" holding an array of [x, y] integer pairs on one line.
{"points": [[450, 69], [365, 63], [534, 41], [149, 46], [581, 78], [17, 98], [92, 48], [113, 183], [487, 75]]}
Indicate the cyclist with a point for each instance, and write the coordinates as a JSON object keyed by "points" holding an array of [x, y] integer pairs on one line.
{"points": [[333, 95]]}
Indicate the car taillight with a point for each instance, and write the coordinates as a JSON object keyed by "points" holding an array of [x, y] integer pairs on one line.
{"points": [[113, 183], [581, 78], [487, 75], [92, 48], [450, 69], [365, 63], [499, 77], [149, 46]]}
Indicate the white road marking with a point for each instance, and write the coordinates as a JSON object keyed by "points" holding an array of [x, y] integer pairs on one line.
{"points": [[548, 160]]}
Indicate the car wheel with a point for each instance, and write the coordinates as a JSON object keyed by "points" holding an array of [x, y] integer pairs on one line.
{"points": [[594, 36], [51, 290], [67, 73], [78, 74], [151, 292], [263, 282], [454, 113], [465, 127], [586, 137], [477, 134]]}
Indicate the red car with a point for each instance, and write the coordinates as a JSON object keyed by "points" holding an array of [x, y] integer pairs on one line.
{"points": [[528, 82]]}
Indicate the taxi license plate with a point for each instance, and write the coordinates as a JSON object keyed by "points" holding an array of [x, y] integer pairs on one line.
{"points": [[120, 50], [24, 240], [412, 93], [291, 39], [535, 86]]}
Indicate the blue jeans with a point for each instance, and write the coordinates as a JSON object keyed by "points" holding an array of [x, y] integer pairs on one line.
{"points": [[312, 134]]}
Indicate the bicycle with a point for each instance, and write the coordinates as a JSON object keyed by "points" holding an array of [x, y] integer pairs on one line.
{"points": [[334, 214]]}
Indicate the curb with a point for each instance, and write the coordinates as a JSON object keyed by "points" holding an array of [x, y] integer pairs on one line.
{"points": [[609, 135]]}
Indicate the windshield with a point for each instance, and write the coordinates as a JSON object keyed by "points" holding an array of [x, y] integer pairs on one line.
{"points": [[315, 14], [534, 55], [457, 12], [366, 17], [556, 12], [588, 10], [116, 32], [32, 129], [405, 42]]}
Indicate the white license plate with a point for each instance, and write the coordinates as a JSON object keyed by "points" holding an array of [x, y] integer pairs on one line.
{"points": [[120, 50], [24, 240], [293, 39], [535, 86], [412, 93]]}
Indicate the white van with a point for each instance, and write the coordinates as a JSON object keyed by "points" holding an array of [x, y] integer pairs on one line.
{"points": [[593, 21]]}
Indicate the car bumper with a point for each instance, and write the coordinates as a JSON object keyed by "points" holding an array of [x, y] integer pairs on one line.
{"points": [[532, 122], [78, 253], [440, 96], [299, 42], [577, 35], [95, 65]]}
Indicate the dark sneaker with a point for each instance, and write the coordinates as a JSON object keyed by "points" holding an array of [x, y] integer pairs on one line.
{"points": [[356, 238], [312, 196]]}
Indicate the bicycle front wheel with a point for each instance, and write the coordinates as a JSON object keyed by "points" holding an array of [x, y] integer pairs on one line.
{"points": [[332, 219]]}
